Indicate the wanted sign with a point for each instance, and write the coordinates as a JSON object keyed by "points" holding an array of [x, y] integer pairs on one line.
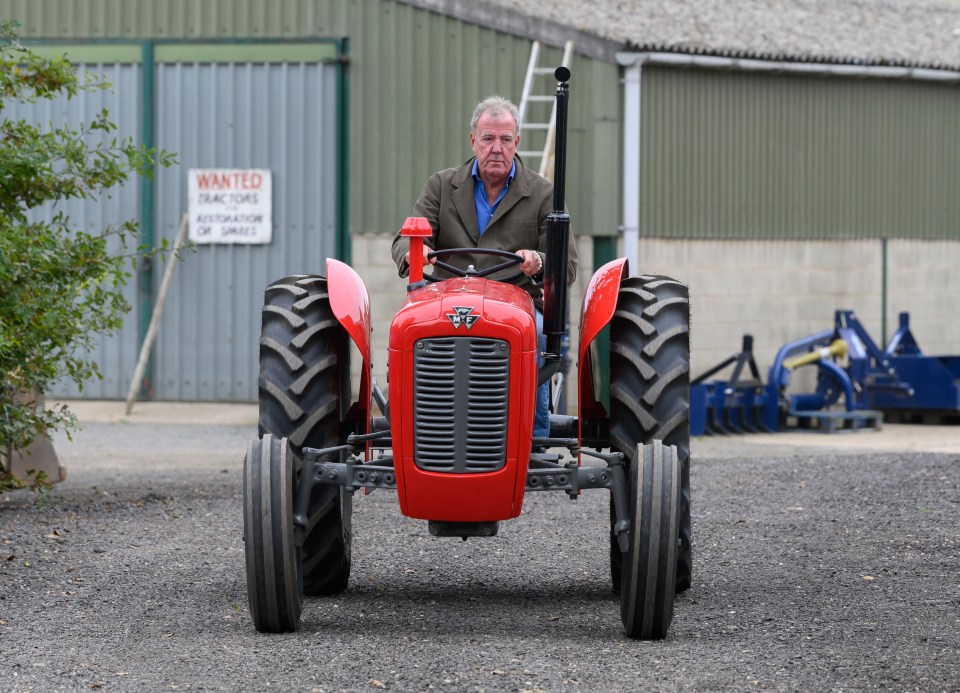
{"points": [[228, 205]]}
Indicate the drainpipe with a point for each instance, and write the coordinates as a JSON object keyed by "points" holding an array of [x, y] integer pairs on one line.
{"points": [[631, 165], [633, 64]]}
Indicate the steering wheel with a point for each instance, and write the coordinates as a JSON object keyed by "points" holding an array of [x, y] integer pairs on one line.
{"points": [[512, 259]]}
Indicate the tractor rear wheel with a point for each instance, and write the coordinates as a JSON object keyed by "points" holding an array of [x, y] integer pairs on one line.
{"points": [[274, 585], [650, 389], [648, 580], [304, 390]]}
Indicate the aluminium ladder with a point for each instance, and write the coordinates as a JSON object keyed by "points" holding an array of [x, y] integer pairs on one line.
{"points": [[527, 97]]}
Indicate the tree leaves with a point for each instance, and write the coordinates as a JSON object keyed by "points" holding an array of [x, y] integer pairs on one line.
{"points": [[61, 286]]}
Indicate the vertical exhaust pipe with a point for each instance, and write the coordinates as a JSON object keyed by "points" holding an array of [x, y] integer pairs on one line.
{"points": [[558, 231]]}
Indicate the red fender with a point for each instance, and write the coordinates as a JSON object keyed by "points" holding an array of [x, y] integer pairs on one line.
{"points": [[599, 304], [351, 306]]}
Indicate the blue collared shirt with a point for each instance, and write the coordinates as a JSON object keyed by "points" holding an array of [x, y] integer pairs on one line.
{"points": [[484, 209]]}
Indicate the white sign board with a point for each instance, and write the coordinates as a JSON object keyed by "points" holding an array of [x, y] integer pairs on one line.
{"points": [[228, 205]]}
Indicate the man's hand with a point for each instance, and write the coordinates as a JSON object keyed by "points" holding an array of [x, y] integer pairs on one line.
{"points": [[426, 251], [531, 265]]}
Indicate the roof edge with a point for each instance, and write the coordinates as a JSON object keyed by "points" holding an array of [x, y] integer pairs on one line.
{"points": [[510, 21], [787, 57], [630, 58]]}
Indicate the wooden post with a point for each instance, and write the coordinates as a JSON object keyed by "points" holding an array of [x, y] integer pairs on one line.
{"points": [[157, 315]]}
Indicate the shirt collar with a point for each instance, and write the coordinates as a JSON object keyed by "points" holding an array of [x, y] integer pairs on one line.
{"points": [[475, 172]]}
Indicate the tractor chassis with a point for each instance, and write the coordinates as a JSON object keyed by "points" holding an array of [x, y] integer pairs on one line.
{"points": [[546, 473]]}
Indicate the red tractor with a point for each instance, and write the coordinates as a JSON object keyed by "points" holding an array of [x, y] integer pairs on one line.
{"points": [[463, 373]]}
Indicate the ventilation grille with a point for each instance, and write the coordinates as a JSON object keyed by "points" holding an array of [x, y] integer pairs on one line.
{"points": [[461, 387]]}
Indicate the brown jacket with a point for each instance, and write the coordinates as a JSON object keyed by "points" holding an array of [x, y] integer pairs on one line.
{"points": [[520, 222]]}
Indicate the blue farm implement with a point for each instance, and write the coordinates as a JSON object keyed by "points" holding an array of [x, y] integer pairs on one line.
{"points": [[898, 383]]}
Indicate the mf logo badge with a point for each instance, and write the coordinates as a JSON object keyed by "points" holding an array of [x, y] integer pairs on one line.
{"points": [[462, 317]]}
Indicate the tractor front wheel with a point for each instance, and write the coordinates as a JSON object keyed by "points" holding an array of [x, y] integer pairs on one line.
{"points": [[274, 584], [648, 580]]}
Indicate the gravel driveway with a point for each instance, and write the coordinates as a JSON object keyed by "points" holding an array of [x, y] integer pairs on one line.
{"points": [[822, 563]]}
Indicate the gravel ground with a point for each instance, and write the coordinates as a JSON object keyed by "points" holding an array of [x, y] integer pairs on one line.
{"points": [[822, 563]]}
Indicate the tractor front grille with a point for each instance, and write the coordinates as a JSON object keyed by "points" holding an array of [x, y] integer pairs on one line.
{"points": [[461, 387]]}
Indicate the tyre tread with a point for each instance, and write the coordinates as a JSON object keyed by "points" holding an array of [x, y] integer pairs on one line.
{"points": [[649, 384], [300, 398], [649, 569], [274, 589]]}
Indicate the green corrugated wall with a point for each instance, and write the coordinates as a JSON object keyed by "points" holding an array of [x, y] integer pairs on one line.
{"points": [[745, 155], [414, 82], [724, 154], [414, 78]]}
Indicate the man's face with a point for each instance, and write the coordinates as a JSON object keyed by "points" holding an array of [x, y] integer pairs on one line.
{"points": [[495, 142]]}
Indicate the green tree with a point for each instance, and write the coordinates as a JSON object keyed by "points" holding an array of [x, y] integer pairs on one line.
{"points": [[60, 286]]}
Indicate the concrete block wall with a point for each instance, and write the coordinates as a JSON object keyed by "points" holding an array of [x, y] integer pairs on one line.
{"points": [[778, 291], [924, 279], [372, 261]]}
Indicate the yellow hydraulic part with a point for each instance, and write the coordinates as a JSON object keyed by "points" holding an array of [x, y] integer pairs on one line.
{"points": [[837, 348]]}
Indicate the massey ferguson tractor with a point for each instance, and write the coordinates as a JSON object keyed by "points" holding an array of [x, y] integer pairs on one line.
{"points": [[456, 439]]}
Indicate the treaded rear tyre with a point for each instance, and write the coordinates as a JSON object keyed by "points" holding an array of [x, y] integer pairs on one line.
{"points": [[649, 566], [274, 586], [304, 388], [650, 389]]}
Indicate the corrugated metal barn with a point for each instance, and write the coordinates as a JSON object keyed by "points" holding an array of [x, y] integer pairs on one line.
{"points": [[785, 162]]}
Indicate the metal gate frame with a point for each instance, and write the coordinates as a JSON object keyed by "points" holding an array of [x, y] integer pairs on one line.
{"points": [[145, 52]]}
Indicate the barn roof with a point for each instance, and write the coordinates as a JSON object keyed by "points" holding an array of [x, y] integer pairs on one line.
{"points": [[914, 33]]}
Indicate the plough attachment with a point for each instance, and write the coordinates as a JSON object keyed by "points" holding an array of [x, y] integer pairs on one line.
{"points": [[858, 385], [722, 407]]}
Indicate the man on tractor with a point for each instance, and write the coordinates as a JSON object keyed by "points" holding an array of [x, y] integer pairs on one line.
{"points": [[461, 435], [492, 201]]}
